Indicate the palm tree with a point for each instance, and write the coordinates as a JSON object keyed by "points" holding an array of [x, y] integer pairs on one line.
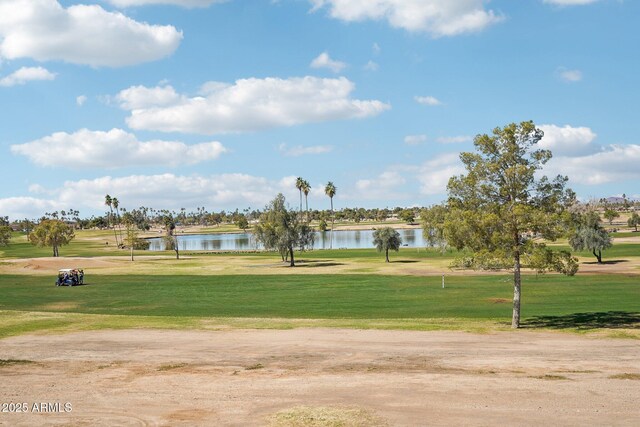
{"points": [[306, 188], [299, 185], [109, 202], [330, 190], [116, 203]]}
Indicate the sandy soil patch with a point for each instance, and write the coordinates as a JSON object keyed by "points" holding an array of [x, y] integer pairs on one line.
{"points": [[54, 264], [253, 377]]}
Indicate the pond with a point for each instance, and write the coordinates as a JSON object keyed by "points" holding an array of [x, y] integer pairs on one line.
{"points": [[342, 239]]}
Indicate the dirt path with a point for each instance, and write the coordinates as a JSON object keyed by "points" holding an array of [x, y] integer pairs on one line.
{"points": [[242, 377]]}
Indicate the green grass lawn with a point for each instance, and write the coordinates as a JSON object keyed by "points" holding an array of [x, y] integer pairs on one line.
{"points": [[323, 296], [30, 302]]}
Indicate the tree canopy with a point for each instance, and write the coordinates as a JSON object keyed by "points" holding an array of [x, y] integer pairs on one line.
{"points": [[634, 221], [590, 235], [284, 230], [610, 215], [386, 239], [5, 231], [53, 233], [499, 207]]}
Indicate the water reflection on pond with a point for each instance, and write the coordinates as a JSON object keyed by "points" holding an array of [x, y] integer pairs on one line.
{"points": [[342, 239]]}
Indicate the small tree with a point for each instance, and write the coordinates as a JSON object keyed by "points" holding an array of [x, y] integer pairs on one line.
{"points": [[387, 238], [5, 231], [433, 230], [590, 235], [283, 230], [496, 209], [170, 238], [242, 223], [131, 238], [634, 220], [408, 216], [610, 215], [51, 232]]}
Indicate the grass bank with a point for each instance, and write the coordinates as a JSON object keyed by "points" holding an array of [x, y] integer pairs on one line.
{"points": [[402, 302]]}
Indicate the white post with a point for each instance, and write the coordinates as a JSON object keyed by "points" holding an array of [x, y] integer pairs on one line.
{"points": [[443, 281]]}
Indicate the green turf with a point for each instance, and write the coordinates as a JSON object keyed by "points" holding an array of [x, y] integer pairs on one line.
{"points": [[323, 296]]}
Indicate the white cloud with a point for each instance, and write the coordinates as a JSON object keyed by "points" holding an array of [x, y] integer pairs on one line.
{"points": [[300, 150], [26, 74], [248, 105], [454, 139], [80, 100], [165, 191], [432, 177], [17, 208], [568, 140], [141, 97], [376, 48], [371, 66], [614, 163], [435, 17], [383, 187], [427, 100], [81, 34], [434, 174], [415, 139], [570, 76], [324, 61], [183, 3], [569, 2], [113, 149], [578, 156]]}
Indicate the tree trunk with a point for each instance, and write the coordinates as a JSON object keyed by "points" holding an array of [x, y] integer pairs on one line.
{"points": [[598, 255], [333, 218], [515, 320], [132, 252], [386, 253], [55, 250], [291, 261], [115, 234]]}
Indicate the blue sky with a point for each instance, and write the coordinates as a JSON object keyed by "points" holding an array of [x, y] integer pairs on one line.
{"points": [[222, 104]]}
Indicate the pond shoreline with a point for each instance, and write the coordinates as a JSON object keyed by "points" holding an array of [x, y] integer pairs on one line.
{"points": [[206, 230], [340, 238]]}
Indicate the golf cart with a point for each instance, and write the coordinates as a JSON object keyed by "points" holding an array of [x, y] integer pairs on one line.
{"points": [[70, 277]]}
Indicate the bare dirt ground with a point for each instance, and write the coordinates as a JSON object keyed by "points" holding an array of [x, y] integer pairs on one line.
{"points": [[243, 377]]}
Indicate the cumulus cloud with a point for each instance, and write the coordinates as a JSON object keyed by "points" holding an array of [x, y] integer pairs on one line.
{"points": [[569, 76], [434, 174], [184, 3], [578, 156], [113, 149], [568, 140], [26, 74], [431, 175], [80, 34], [80, 100], [300, 150], [248, 105], [427, 100], [614, 163], [324, 61], [166, 191], [383, 187], [415, 139], [435, 17]]}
